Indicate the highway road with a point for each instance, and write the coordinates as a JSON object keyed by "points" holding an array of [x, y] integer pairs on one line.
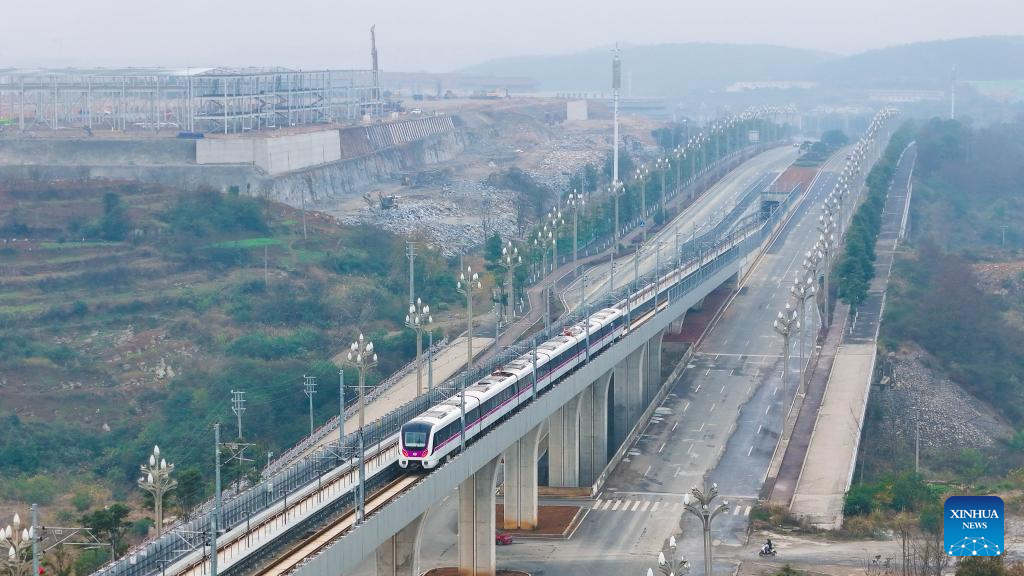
{"points": [[709, 209]]}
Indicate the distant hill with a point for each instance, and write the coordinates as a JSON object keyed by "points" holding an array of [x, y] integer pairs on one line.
{"points": [[929, 63], [666, 69], [659, 69]]}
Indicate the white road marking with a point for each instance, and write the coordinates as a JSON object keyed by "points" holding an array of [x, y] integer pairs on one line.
{"points": [[687, 406], [758, 429], [616, 505], [766, 410], [635, 506], [712, 407], [701, 429], [747, 511], [607, 504], [708, 373], [690, 448], [662, 448], [646, 472], [723, 389], [697, 389], [751, 450], [655, 507], [674, 426], [597, 504], [647, 504], [736, 510]]}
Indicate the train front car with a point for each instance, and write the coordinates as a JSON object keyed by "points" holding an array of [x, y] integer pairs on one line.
{"points": [[414, 443]]}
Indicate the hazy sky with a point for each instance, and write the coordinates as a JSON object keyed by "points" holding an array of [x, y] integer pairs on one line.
{"points": [[447, 34]]}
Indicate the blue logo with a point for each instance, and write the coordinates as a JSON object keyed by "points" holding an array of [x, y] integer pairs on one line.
{"points": [[973, 526]]}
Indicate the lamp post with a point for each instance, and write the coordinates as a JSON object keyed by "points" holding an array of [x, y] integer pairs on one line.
{"points": [[803, 290], [576, 202], [418, 319], [19, 543], [663, 164], [468, 282], [541, 243], [699, 503], [671, 564], [510, 260], [556, 221], [641, 175], [786, 323], [361, 356], [156, 479], [616, 191]]}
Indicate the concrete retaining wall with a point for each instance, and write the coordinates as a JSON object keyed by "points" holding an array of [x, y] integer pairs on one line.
{"points": [[97, 152]]}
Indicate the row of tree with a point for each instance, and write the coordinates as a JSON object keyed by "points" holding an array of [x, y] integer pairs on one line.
{"points": [[856, 264]]}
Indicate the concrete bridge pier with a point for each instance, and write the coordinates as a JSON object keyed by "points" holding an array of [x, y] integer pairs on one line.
{"points": [[564, 444], [399, 555], [628, 394], [594, 430], [520, 478], [476, 521], [652, 379]]}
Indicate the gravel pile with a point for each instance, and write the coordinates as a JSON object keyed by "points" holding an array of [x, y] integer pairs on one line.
{"points": [[950, 418], [453, 222]]}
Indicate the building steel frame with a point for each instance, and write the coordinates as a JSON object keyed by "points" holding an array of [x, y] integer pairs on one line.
{"points": [[206, 101]]}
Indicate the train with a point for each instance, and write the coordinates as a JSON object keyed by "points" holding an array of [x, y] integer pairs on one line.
{"points": [[429, 438]]}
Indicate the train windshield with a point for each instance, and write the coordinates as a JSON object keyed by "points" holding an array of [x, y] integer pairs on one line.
{"points": [[414, 435]]}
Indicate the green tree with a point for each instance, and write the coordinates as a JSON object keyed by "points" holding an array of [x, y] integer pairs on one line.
{"points": [[114, 224], [109, 524], [979, 566], [90, 561], [190, 489]]}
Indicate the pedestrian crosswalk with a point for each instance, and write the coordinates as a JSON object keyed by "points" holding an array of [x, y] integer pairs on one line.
{"points": [[659, 505]]}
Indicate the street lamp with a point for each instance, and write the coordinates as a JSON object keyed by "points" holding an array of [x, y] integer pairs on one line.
{"points": [[786, 323], [699, 503], [615, 190], [540, 242], [469, 281], [361, 356], [556, 221], [663, 164], [671, 565], [576, 202], [510, 260], [19, 543], [641, 175], [156, 479], [418, 319], [803, 290]]}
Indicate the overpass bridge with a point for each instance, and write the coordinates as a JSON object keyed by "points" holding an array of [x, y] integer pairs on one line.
{"points": [[587, 415]]}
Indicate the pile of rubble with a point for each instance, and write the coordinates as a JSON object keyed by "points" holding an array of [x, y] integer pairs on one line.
{"points": [[950, 418], [453, 221]]}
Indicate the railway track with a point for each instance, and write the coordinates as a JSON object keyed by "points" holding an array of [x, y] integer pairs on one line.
{"points": [[284, 563]]}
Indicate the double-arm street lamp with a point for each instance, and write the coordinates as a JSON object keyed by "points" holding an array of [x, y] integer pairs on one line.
{"points": [[700, 504], [419, 319], [468, 283], [156, 479]]}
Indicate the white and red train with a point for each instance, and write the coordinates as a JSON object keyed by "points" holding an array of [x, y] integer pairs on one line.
{"points": [[433, 435]]}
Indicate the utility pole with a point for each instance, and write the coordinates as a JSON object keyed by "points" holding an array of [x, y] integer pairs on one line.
{"points": [[215, 520], [309, 388], [583, 308], [917, 447], [341, 409], [238, 406], [616, 85]]}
